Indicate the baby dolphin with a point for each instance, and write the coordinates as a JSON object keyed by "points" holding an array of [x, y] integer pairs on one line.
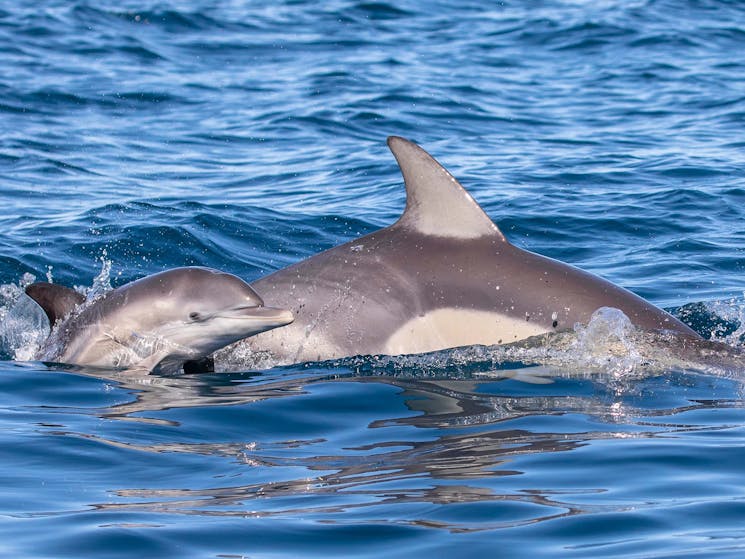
{"points": [[155, 324], [441, 276]]}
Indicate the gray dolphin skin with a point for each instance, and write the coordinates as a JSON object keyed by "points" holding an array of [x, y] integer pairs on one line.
{"points": [[442, 276], [157, 323]]}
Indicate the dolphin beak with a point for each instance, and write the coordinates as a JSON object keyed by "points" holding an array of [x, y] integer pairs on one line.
{"points": [[266, 318], [272, 314]]}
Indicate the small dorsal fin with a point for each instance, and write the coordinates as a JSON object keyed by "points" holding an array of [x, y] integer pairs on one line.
{"points": [[56, 301], [436, 203]]}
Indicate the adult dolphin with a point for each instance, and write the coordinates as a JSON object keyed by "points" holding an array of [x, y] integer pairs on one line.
{"points": [[157, 323], [442, 276]]}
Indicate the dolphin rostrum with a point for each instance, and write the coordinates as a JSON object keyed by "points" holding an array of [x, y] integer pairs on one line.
{"points": [[441, 276], [157, 323]]}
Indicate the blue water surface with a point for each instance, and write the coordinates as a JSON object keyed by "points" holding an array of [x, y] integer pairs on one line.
{"points": [[245, 136]]}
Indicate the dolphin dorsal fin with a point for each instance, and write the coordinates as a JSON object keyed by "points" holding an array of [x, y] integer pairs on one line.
{"points": [[56, 301], [436, 203]]}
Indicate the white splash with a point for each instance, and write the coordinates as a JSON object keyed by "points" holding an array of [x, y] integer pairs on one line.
{"points": [[102, 282], [732, 311], [607, 342], [240, 357], [23, 325]]}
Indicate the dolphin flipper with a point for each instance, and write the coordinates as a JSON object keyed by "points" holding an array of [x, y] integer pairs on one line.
{"points": [[55, 300]]}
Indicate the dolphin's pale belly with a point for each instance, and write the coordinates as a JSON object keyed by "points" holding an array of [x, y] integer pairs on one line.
{"points": [[97, 345], [333, 336], [320, 336], [453, 327]]}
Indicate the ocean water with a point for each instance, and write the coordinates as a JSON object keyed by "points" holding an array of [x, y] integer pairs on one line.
{"points": [[142, 135]]}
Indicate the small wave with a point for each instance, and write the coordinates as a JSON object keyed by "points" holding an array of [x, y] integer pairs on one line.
{"points": [[175, 21], [380, 10]]}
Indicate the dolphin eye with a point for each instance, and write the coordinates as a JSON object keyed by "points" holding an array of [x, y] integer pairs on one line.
{"points": [[195, 316]]}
